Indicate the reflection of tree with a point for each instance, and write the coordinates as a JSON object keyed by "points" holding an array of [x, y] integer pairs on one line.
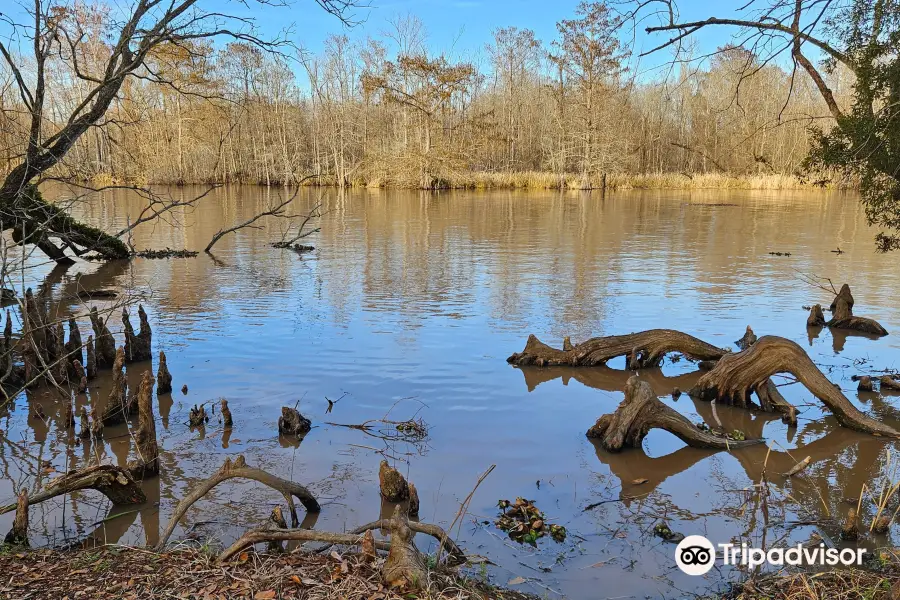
{"points": [[607, 379]]}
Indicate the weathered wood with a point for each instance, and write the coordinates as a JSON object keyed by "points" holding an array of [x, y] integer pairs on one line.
{"points": [[737, 375], [104, 342], [643, 349], [147, 463], [748, 339], [865, 384], [18, 535], [137, 347], [291, 422], [889, 383], [268, 534], [113, 482], [816, 317], [771, 400], [405, 565], [197, 416], [842, 315], [79, 377], [239, 470], [413, 500], [163, 377], [392, 484], [91, 358], [74, 346], [640, 412], [117, 408], [226, 413]]}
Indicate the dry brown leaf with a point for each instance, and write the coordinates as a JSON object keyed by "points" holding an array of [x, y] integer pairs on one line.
{"points": [[266, 595], [639, 481], [244, 557], [296, 580], [516, 581]]}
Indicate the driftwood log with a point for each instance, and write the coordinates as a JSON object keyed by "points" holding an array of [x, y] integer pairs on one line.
{"points": [[736, 376], [147, 462], [104, 342], [393, 486], [291, 422], [842, 315], [18, 535], [643, 349], [113, 482], [137, 347], [889, 383], [163, 377], [640, 412], [239, 470]]}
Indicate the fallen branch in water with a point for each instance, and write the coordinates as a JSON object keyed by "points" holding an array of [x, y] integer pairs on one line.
{"points": [[113, 482], [239, 470]]}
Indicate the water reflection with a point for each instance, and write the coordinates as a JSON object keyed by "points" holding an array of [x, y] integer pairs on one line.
{"points": [[415, 295]]}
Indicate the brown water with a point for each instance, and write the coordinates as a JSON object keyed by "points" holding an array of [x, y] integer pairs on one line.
{"points": [[414, 301]]}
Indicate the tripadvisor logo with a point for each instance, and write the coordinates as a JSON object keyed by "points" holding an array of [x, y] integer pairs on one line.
{"points": [[696, 555]]}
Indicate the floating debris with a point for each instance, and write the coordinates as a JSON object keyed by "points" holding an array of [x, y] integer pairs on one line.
{"points": [[166, 253], [779, 253], [525, 523], [662, 530], [298, 248]]}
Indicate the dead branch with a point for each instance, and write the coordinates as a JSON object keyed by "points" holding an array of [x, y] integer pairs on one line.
{"points": [[113, 482], [277, 210], [643, 349], [270, 534], [239, 470]]}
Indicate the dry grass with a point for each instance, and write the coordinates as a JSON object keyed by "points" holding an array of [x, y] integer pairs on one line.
{"points": [[134, 573], [848, 584]]}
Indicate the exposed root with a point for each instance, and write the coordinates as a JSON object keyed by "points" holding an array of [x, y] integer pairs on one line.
{"points": [[736, 376], [239, 469], [643, 349], [113, 482], [640, 412]]}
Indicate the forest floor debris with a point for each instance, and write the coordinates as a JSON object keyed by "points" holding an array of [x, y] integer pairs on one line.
{"points": [[135, 573]]}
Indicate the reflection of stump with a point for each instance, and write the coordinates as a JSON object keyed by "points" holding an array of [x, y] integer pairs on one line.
{"points": [[291, 422], [405, 566], [163, 377], [816, 317], [393, 486], [737, 376], [640, 412]]}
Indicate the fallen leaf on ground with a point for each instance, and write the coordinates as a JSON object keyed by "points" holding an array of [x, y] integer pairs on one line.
{"points": [[516, 581], [266, 595]]}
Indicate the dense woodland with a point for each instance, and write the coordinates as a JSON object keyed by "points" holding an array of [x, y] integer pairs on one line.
{"points": [[390, 111]]}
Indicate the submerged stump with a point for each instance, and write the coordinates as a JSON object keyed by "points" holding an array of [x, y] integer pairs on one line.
{"points": [[163, 377], [137, 346], [147, 463], [291, 422], [842, 316], [393, 486], [117, 405], [104, 342]]}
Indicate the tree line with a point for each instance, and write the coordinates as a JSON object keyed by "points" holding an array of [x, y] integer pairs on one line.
{"points": [[387, 110]]}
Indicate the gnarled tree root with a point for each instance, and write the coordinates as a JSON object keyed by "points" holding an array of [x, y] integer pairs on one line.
{"points": [[640, 412], [113, 482], [736, 376], [272, 534], [239, 469], [642, 349]]}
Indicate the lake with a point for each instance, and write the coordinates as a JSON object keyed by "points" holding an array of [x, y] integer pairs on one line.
{"points": [[410, 305]]}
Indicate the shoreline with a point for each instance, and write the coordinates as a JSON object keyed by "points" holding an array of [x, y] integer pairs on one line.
{"points": [[136, 573], [528, 180]]}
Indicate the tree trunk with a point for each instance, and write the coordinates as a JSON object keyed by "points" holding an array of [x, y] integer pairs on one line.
{"points": [[18, 535], [147, 463], [736, 376], [842, 315], [111, 481]]}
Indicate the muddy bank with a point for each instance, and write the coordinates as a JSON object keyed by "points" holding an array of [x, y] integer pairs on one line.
{"points": [[132, 573]]}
